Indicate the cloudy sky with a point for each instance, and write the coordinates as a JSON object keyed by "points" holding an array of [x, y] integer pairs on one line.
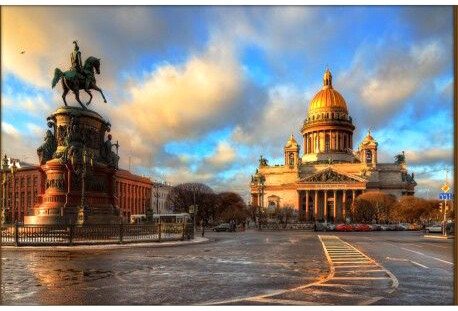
{"points": [[198, 93]]}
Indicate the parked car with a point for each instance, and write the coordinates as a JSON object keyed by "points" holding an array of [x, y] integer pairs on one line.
{"points": [[450, 228], [330, 227], [344, 227], [414, 227], [222, 227], [390, 227], [361, 227], [376, 227], [400, 227], [435, 228], [320, 226]]}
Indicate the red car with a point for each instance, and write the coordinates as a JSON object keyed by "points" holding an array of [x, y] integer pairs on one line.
{"points": [[344, 227], [362, 227]]}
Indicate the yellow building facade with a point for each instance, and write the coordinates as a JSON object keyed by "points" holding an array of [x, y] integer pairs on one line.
{"points": [[323, 181]]}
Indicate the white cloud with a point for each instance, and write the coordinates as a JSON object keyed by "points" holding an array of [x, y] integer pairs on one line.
{"points": [[224, 154], [9, 129], [381, 80], [178, 102]]}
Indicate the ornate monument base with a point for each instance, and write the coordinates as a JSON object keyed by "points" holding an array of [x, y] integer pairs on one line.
{"points": [[80, 168]]}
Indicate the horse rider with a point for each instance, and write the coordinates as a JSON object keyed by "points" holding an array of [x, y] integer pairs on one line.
{"points": [[75, 57], [77, 65]]}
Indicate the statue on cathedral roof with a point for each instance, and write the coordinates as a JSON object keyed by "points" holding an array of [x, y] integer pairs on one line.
{"points": [[400, 158], [262, 161]]}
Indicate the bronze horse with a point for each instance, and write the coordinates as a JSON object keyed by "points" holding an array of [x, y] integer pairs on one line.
{"points": [[76, 81]]}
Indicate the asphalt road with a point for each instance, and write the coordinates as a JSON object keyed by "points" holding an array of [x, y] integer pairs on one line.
{"points": [[423, 267], [240, 268]]}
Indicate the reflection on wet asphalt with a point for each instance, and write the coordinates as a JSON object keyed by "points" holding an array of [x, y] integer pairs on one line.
{"points": [[236, 264], [233, 267]]}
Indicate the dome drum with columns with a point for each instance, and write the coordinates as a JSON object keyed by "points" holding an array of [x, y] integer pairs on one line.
{"points": [[323, 181]]}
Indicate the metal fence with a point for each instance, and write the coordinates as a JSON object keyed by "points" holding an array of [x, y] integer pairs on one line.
{"points": [[286, 227], [41, 235]]}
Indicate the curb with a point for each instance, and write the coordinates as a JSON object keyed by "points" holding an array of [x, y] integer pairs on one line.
{"points": [[198, 240], [441, 237]]}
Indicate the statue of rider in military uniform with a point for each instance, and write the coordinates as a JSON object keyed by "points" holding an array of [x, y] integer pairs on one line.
{"points": [[77, 66]]}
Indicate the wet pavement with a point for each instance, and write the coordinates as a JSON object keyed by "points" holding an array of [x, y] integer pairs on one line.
{"points": [[238, 264], [238, 268]]}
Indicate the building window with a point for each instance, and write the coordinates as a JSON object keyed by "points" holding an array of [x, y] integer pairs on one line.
{"points": [[291, 159], [368, 156]]}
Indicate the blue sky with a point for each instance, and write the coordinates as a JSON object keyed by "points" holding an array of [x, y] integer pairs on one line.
{"points": [[198, 93]]}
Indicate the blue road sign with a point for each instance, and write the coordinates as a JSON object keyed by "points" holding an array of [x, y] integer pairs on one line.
{"points": [[445, 196]]}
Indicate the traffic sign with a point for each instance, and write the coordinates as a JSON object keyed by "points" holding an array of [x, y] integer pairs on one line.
{"points": [[445, 188], [445, 196]]}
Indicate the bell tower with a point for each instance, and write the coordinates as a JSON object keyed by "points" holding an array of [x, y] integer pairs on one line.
{"points": [[292, 153], [368, 150]]}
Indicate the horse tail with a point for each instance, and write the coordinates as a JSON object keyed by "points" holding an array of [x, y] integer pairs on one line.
{"points": [[57, 75]]}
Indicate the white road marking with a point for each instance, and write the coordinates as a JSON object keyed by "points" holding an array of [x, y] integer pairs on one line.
{"points": [[408, 260], [359, 262], [435, 258], [286, 302]]}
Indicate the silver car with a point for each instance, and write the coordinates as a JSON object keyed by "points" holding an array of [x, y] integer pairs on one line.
{"points": [[437, 228]]}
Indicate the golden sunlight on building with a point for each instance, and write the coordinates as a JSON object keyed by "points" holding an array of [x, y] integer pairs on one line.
{"points": [[322, 183]]}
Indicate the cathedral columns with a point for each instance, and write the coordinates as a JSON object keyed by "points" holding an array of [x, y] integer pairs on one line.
{"points": [[325, 205], [353, 203], [335, 205], [315, 214], [321, 135], [344, 205], [307, 205]]}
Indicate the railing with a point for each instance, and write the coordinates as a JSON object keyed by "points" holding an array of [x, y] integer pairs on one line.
{"points": [[29, 235], [286, 227]]}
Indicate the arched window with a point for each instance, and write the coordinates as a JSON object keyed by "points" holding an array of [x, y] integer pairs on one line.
{"points": [[368, 156], [291, 159], [327, 142]]}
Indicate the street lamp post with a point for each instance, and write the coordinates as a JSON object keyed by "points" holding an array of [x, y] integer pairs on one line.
{"points": [[87, 161], [261, 181], [156, 186], [4, 180]]}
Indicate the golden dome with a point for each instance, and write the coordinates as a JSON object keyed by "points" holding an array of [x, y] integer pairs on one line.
{"points": [[327, 99]]}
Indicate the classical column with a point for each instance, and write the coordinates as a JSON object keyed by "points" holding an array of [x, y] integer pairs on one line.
{"points": [[322, 141], [325, 211], [333, 140], [353, 202], [335, 205], [344, 198], [315, 213], [307, 205]]}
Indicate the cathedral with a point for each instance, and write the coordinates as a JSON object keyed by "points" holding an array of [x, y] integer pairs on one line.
{"points": [[323, 181]]}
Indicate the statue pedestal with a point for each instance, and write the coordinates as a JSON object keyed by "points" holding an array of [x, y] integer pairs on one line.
{"points": [[78, 168]]}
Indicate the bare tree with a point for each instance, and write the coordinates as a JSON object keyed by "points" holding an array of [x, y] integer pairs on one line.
{"points": [[182, 196], [230, 206], [374, 205]]}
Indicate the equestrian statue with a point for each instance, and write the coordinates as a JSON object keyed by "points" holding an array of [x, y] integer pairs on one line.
{"points": [[79, 77]]}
